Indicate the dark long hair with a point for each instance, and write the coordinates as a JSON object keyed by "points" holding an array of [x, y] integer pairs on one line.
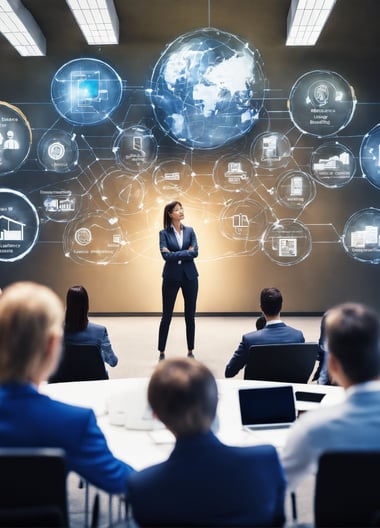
{"points": [[168, 209], [76, 318]]}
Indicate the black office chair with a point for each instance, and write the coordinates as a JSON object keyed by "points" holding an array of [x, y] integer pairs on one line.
{"points": [[33, 488], [346, 490], [288, 362], [80, 363]]}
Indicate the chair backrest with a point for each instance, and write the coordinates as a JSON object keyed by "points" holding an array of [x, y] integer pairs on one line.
{"points": [[80, 363], [33, 487], [346, 491], [289, 362]]}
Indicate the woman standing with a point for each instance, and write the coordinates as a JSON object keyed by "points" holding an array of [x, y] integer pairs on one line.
{"points": [[179, 248]]}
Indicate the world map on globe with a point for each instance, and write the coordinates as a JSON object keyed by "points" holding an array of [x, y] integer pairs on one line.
{"points": [[207, 89]]}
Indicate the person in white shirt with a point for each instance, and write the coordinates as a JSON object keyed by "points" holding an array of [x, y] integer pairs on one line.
{"points": [[353, 343]]}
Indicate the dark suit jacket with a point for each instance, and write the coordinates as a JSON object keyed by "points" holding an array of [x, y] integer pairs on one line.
{"points": [[179, 262], [31, 419], [94, 334], [270, 334], [206, 483]]}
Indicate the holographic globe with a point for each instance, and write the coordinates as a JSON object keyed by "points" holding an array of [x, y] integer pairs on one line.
{"points": [[207, 89]]}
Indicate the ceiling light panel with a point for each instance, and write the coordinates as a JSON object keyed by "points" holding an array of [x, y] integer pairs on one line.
{"points": [[306, 19], [97, 20], [20, 29]]}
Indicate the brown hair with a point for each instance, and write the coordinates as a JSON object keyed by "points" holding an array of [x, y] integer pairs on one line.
{"points": [[271, 301], [353, 337], [29, 314], [183, 394], [168, 209]]}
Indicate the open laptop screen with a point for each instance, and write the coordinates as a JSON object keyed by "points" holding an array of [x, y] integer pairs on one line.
{"points": [[267, 406]]}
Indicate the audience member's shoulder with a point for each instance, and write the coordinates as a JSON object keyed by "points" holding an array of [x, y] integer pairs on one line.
{"points": [[261, 452], [66, 409], [253, 335], [95, 326]]}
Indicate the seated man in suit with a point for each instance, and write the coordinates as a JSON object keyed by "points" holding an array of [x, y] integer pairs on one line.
{"points": [[353, 338], [274, 332], [203, 482], [31, 328]]}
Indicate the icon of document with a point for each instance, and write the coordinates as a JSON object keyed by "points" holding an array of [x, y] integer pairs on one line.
{"points": [[296, 186], [287, 247], [270, 148], [235, 173], [85, 91], [239, 222]]}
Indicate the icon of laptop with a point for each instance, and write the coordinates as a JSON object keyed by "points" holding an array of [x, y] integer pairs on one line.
{"points": [[267, 407]]}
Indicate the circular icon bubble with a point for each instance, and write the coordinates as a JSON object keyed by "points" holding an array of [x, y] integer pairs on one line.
{"points": [[333, 165], [19, 225], [15, 138], [295, 189], [123, 192], [287, 242], [95, 238], [58, 151], [135, 148], [271, 150], [369, 156], [83, 236], [233, 172], [321, 103], [86, 91], [207, 88], [361, 235], [172, 177], [244, 220]]}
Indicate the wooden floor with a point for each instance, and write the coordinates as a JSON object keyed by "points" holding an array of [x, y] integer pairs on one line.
{"points": [[134, 340]]}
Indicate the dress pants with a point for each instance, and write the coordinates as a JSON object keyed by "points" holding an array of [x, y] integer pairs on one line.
{"points": [[169, 294]]}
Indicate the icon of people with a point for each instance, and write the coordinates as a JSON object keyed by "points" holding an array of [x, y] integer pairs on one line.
{"points": [[11, 143]]}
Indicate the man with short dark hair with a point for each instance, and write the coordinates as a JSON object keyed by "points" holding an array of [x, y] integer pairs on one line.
{"points": [[353, 338], [203, 482], [274, 332]]}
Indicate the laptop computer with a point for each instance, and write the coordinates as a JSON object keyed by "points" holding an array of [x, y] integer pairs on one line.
{"points": [[267, 407]]}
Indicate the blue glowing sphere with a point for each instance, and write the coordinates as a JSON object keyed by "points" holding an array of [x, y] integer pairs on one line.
{"points": [[86, 91], [207, 89]]}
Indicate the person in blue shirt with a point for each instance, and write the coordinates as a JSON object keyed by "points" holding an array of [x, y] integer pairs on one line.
{"points": [[31, 321], [79, 330], [352, 333], [203, 482]]}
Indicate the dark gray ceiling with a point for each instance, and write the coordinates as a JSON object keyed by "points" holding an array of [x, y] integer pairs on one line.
{"points": [[352, 26]]}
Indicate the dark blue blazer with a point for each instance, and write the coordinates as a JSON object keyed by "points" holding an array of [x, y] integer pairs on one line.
{"points": [[31, 419], [270, 334], [94, 334], [206, 483], [180, 261]]}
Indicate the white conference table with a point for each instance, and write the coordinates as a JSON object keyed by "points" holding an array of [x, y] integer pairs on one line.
{"points": [[133, 436]]}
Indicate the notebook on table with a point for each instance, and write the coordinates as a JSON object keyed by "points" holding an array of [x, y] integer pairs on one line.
{"points": [[267, 407]]}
